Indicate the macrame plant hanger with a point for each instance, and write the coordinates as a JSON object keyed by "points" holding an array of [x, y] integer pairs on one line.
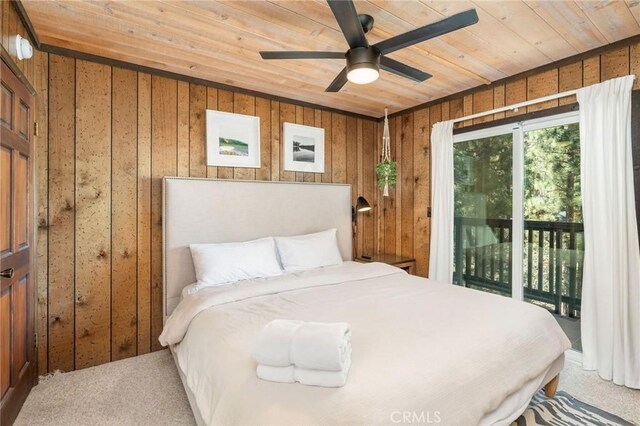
{"points": [[386, 150]]}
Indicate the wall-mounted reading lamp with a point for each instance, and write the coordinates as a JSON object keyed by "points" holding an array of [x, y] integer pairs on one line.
{"points": [[362, 205]]}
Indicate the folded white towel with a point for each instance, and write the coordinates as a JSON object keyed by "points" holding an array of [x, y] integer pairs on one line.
{"points": [[292, 374], [327, 379], [276, 374], [321, 346], [273, 343], [308, 345]]}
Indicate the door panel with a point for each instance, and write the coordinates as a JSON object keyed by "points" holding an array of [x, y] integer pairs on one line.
{"points": [[17, 363], [5, 199], [5, 341], [20, 310], [21, 201], [6, 112], [22, 127]]}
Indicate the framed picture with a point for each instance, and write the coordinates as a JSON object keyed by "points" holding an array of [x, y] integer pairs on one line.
{"points": [[303, 148], [233, 140]]}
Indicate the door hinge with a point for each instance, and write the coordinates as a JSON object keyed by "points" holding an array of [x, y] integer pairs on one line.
{"points": [[35, 128], [35, 340]]}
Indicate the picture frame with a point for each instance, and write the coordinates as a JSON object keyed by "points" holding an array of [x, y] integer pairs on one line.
{"points": [[233, 140], [303, 148]]}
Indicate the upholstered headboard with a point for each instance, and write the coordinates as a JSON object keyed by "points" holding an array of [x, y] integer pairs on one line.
{"points": [[217, 211]]}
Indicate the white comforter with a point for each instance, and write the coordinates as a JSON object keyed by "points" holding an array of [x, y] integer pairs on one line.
{"points": [[422, 349]]}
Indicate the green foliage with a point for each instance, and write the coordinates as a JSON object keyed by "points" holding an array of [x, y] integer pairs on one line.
{"points": [[552, 174], [387, 172], [483, 176]]}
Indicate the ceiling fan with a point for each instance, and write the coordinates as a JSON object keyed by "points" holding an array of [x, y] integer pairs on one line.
{"points": [[363, 60]]}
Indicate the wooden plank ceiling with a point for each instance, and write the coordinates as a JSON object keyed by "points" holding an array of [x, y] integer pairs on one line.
{"points": [[220, 40]]}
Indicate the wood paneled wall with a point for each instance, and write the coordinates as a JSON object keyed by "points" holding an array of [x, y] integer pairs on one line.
{"points": [[402, 222], [108, 135], [111, 135]]}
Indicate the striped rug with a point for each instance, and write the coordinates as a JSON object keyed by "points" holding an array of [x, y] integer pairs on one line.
{"points": [[565, 410]]}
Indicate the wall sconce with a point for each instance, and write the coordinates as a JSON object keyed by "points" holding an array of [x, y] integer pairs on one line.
{"points": [[362, 205], [24, 50]]}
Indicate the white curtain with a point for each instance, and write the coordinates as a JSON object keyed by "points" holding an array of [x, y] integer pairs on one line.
{"points": [[611, 281], [441, 253]]}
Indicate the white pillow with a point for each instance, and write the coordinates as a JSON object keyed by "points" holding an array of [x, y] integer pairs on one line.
{"points": [[226, 263], [309, 251]]}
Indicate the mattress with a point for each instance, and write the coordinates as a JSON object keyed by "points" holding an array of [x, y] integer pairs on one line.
{"points": [[422, 350]]}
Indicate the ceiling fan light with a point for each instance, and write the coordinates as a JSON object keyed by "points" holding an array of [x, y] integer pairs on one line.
{"points": [[363, 75], [363, 65]]}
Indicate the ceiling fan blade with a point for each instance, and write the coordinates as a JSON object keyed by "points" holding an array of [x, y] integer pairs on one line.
{"points": [[302, 55], [452, 23], [347, 17], [338, 82], [403, 70]]}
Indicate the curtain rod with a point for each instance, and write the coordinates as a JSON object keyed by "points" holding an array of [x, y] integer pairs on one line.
{"points": [[515, 107]]}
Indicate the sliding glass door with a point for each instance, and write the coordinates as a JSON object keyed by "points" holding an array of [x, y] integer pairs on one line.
{"points": [[553, 228], [483, 206], [518, 214]]}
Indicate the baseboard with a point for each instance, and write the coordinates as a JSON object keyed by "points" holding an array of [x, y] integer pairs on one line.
{"points": [[573, 357]]}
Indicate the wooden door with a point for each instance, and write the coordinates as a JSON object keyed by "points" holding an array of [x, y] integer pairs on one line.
{"points": [[17, 363]]}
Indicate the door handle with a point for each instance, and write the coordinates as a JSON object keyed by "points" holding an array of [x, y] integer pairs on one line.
{"points": [[7, 273]]}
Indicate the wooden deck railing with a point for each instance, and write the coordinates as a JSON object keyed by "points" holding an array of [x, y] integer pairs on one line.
{"points": [[553, 255]]}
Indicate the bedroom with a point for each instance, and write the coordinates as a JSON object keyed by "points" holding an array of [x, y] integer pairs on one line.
{"points": [[489, 121]]}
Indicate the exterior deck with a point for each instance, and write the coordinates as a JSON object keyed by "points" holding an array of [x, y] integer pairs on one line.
{"points": [[553, 256]]}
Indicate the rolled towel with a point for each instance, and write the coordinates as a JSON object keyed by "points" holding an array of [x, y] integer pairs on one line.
{"points": [[292, 374], [327, 379], [276, 374], [272, 345], [321, 346]]}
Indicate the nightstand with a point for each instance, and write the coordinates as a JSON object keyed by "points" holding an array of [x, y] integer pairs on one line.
{"points": [[406, 263]]}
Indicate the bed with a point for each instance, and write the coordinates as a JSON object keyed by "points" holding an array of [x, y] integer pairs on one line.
{"points": [[423, 352]]}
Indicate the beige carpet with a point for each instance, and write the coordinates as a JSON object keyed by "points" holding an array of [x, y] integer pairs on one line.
{"points": [[146, 390]]}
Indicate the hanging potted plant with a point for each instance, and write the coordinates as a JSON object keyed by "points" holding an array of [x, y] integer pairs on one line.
{"points": [[387, 172], [386, 169]]}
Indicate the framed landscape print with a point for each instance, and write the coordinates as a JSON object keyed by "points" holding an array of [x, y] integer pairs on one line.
{"points": [[233, 140], [303, 148]]}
